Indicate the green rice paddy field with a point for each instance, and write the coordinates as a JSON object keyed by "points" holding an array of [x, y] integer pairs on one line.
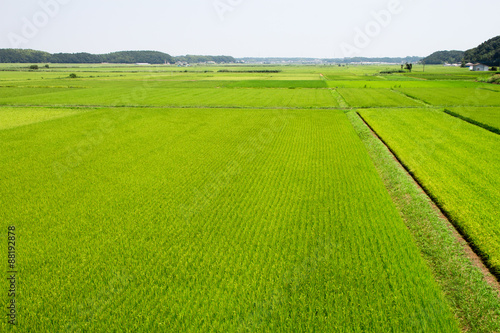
{"points": [[165, 199]]}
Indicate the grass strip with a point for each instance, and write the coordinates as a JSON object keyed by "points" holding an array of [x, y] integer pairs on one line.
{"points": [[473, 122], [473, 299], [340, 99], [411, 97]]}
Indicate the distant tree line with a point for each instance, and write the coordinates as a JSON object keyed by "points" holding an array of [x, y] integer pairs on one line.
{"points": [[329, 60], [383, 59], [251, 71], [122, 57], [194, 59], [443, 57]]}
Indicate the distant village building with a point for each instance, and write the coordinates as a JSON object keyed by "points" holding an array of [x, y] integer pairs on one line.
{"points": [[479, 68], [142, 64]]}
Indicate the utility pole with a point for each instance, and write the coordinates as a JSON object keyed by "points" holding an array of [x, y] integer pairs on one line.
{"points": [[423, 62]]}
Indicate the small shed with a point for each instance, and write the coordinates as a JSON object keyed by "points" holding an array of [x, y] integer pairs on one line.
{"points": [[479, 67]]}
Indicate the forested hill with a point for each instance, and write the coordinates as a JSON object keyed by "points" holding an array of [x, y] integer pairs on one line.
{"points": [[487, 53], [442, 57], [123, 57]]}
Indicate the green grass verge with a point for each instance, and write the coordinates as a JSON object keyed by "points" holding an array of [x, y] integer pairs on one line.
{"points": [[456, 162], [487, 118], [475, 303], [340, 100]]}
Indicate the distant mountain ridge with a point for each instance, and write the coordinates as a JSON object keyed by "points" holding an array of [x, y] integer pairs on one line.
{"points": [[122, 57], [443, 57]]}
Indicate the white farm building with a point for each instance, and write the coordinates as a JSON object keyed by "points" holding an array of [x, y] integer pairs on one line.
{"points": [[479, 67]]}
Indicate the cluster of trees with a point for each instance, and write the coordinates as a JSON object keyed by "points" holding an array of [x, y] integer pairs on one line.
{"points": [[23, 56], [123, 57], [442, 57], [487, 53], [392, 72]]}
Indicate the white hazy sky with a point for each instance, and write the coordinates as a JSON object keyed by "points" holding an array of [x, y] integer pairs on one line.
{"points": [[257, 28]]}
